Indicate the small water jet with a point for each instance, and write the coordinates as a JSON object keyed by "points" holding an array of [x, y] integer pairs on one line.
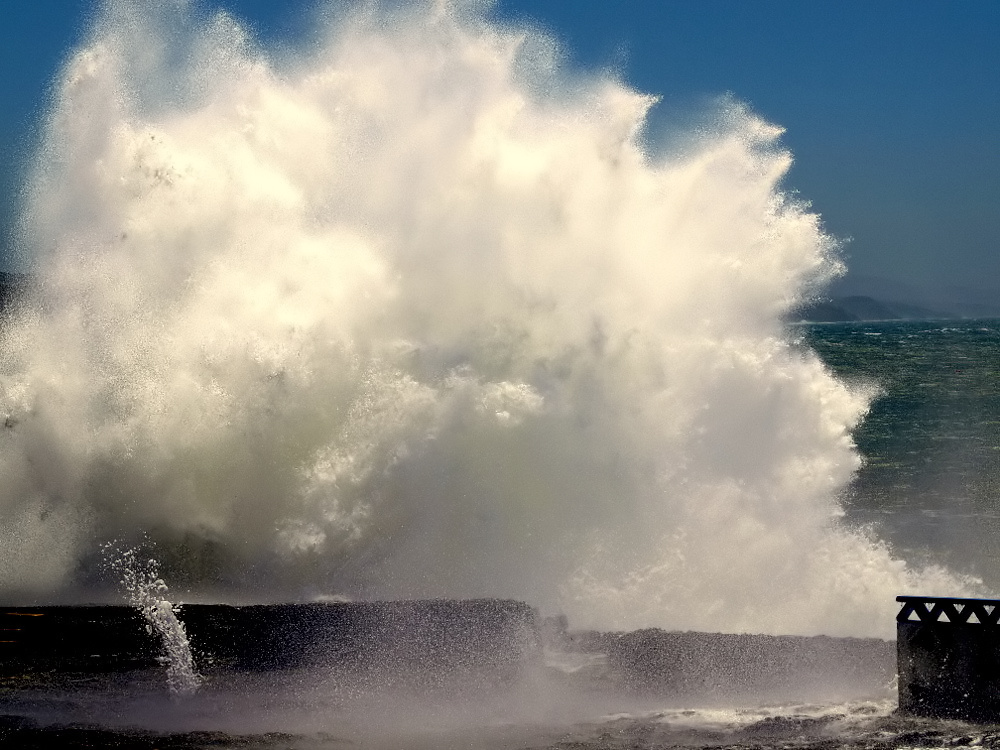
{"points": [[139, 578]]}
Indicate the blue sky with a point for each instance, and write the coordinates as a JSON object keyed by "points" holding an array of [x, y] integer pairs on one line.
{"points": [[891, 107]]}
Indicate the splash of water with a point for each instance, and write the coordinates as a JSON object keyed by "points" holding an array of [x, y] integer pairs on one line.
{"points": [[147, 592], [413, 313]]}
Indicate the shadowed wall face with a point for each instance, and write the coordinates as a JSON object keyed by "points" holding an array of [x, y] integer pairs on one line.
{"points": [[437, 649], [949, 658], [436, 645]]}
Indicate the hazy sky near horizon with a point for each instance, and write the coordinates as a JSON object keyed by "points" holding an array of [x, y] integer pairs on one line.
{"points": [[891, 108]]}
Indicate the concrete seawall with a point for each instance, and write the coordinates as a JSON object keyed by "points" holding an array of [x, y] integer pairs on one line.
{"points": [[442, 645], [430, 643], [741, 668]]}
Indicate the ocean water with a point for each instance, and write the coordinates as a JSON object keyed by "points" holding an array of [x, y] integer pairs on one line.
{"points": [[855, 724], [930, 478], [237, 718]]}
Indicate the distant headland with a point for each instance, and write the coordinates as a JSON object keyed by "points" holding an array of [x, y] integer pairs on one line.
{"points": [[860, 298]]}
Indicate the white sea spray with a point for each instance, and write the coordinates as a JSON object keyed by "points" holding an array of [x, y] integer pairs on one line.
{"points": [[411, 312]]}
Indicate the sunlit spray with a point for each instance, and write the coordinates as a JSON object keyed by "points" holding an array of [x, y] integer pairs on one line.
{"points": [[412, 312], [139, 579]]}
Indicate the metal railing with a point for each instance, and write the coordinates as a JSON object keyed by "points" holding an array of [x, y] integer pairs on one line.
{"points": [[948, 610]]}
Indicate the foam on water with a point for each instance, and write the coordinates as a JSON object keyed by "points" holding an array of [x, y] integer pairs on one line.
{"points": [[411, 312]]}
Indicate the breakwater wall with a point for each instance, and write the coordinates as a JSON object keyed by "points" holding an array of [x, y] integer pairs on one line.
{"points": [[443, 644], [739, 667], [426, 643]]}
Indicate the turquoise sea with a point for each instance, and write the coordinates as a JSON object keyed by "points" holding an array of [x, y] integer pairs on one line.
{"points": [[930, 483]]}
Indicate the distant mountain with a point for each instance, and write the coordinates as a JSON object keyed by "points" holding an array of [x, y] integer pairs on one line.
{"points": [[854, 294], [860, 307], [876, 287]]}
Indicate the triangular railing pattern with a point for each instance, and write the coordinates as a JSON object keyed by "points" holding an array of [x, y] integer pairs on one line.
{"points": [[948, 610]]}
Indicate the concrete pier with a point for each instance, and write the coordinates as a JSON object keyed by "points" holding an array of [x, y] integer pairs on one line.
{"points": [[948, 656]]}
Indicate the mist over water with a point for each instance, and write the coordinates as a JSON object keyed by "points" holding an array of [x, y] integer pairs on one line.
{"points": [[412, 312]]}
